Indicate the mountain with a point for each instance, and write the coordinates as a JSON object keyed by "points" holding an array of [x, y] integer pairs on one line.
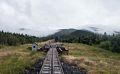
{"points": [[62, 32], [70, 33], [78, 33], [100, 28], [73, 35]]}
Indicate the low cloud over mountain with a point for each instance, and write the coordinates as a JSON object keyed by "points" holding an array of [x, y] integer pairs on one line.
{"points": [[45, 17]]}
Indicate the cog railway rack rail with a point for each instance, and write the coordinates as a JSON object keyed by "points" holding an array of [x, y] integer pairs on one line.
{"points": [[51, 64]]}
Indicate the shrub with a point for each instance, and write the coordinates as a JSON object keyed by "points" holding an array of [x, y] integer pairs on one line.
{"points": [[106, 45], [115, 43]]}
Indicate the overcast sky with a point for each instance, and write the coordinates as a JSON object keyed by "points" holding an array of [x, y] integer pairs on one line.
{"points": [[42, 17]]}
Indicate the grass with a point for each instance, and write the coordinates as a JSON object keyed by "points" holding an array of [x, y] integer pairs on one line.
{"points": [[14, 59], [94, 59]]}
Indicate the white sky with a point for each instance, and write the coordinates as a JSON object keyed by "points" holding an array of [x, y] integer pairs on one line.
{"points": [[42, 17]]}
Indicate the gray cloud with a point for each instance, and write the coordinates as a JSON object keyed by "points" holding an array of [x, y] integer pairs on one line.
{"points": [[44, 17]]}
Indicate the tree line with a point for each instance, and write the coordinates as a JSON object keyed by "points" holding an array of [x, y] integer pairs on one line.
{"points": [[12, 39], [108, 42]]}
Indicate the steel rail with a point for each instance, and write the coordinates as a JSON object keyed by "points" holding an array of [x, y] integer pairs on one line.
{"points": [[51, 64]]}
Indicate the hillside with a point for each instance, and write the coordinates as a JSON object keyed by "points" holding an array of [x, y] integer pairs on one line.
{"points": [[15, 59], [94, 59], [105, 41], [62, 32], [79, 33], [69, 33], [74, 35], [8, 38]]}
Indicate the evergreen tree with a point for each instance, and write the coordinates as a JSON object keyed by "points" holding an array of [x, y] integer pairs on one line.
{"points": [[7, 38]]}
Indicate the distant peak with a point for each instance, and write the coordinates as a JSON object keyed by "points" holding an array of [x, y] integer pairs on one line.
{"points": [[94, 28], [22, 29]]}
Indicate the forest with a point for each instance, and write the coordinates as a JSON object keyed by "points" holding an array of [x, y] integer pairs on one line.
{"points": [[108, 42], [13, 39]]}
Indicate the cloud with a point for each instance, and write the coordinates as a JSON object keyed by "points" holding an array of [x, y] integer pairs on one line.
{"points": [[44, 17]]}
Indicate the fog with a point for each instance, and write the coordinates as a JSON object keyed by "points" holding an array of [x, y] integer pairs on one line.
{"points": [[43, 17]]}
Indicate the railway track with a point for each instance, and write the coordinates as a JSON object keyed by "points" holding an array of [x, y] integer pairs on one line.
{"points": [[51, 64]]}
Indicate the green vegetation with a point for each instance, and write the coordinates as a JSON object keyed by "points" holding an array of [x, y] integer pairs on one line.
{"points": [[108, 42], [105, 44], [96, 56], [7, 38], [14, 59], [94, 59]]}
